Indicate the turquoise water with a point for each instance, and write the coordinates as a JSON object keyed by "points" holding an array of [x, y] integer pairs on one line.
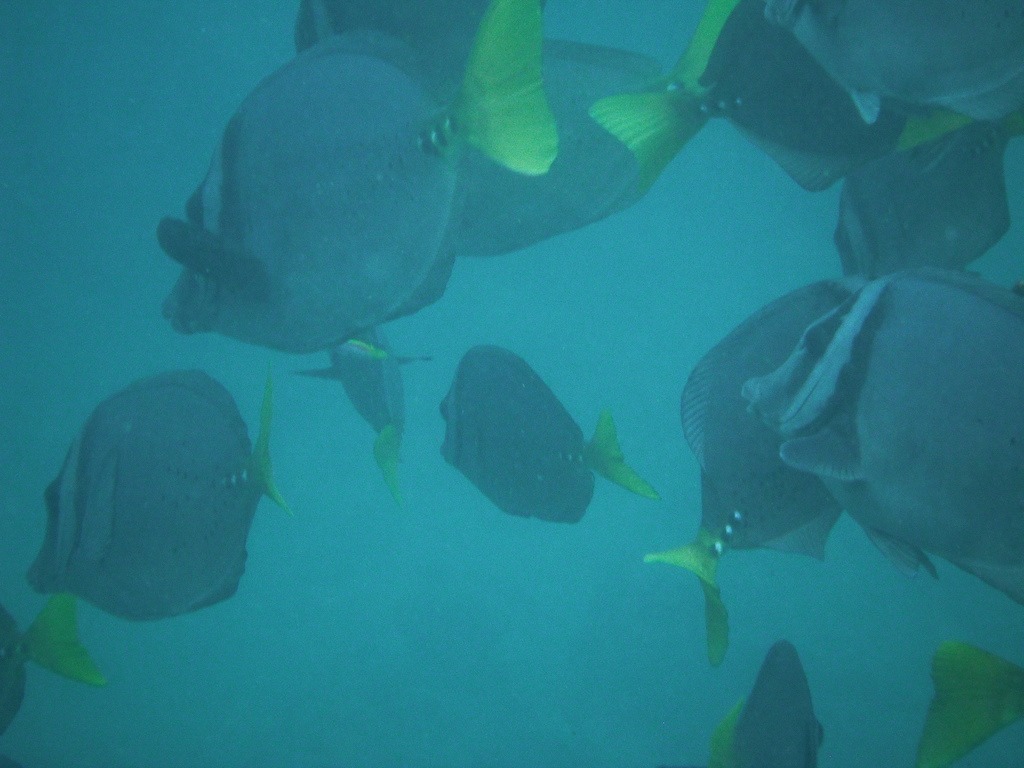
{"points": [[445, 634]]}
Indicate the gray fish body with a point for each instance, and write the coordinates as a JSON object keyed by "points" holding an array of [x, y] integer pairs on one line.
{"points": [[967, 56], [150, 513], [321, 180], [511, 437], [777, 727], [907, 402], [942, 204], [741, 471]]}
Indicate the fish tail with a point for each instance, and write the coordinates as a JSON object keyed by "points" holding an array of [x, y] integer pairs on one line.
{"points": [[52, 642], [501, 108], [701, 558], [921, 129], [386, 451], [723, 739], [261, 452], [605, 457], [654, 126], [694, 61], [976, 694]]}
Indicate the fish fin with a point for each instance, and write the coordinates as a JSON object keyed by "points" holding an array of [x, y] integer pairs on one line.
{"points": [[261, 452], [654, 126], [723, 739], [386, 453], [701, 558], [906, 557], [812, 172], [809, 539], [694, 61], [976, 694], [921, 129], [1007, 579], [868, 104], [605, 457], [826, 453], [52, 642], [501, 108]]}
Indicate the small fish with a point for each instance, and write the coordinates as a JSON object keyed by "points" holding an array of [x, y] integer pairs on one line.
{"points": [[750, 498], [341, 199], [507, 432], [149, 515], [906, 402], [51, 642], [964, 56], [976, 695]]}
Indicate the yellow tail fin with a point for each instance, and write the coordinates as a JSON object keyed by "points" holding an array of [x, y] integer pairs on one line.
{"points": [[501, 109], [701, 559], [654, 126], [604, 456], [386, 451], [976, 694], [694, 61], [52, 642], [261, 451], [723, 739], [920, 129]]}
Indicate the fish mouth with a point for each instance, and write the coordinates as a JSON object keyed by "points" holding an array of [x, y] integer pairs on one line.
{"points": [[190, 307]]}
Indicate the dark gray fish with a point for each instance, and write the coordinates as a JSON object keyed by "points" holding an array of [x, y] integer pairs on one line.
{"points": [[941, 204], [906, 401], [967, 56], [507, 432], [777, 727], [322, 195], [149, 515]]}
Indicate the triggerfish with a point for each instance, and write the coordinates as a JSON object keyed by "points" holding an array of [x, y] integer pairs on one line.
{"points": [[150, 513], [507, 432]]}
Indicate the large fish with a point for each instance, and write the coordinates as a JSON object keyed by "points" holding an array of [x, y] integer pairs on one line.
{"points": [[941, 204], [740, 67], [750, 498], [507, 432], [593, 176], [328, 204], [964, 55], [52, 642], [906, 401], [149, 515], [371, 376]]}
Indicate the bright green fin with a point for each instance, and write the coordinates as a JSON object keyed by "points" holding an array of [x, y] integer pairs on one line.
{"points": [[723, 739], [701, 559], [52, 642], [694, 61], [261, 452], [604, 456], [501, 109], [976, 694], [920, 129], [386, 452], [654, 126], [371, 351]]}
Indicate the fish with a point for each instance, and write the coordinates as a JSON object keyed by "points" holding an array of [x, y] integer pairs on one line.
{"points": [[750, 498], [594, 176], [741, 68], [372, 378], [977, 694], [905, 401], [775, 727], [51, 642], [510, 436], [967, 57], [328, 205], [149, 515], [940, 204]]}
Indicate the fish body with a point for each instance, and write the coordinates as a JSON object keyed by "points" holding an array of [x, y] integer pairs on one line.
{"points": [[906, 401], [149, 515], [940, 204], [508, 433], [964, 56]]}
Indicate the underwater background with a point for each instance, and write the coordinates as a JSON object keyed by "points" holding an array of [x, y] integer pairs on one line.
{"points": [[445, 633]]}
